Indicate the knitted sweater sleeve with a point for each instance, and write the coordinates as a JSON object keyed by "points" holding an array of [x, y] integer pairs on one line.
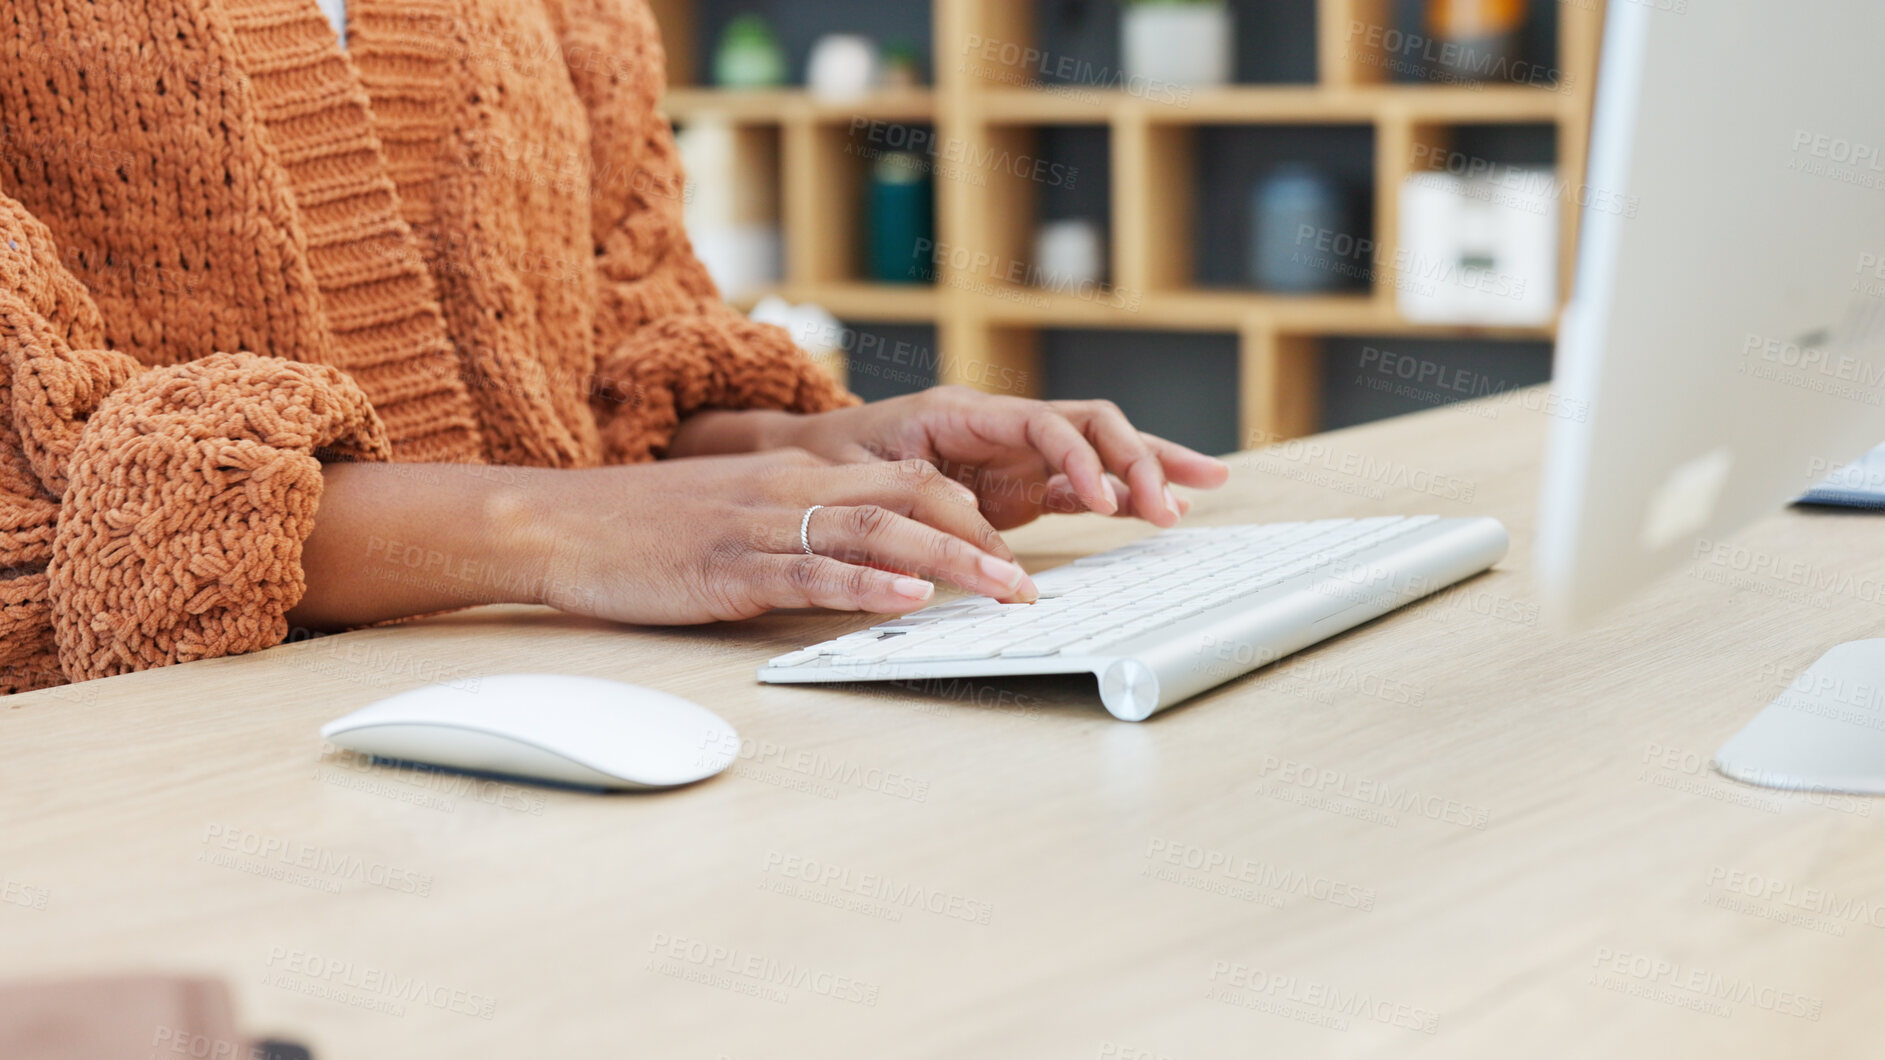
{"points": [[670, 346], [148, 516]]}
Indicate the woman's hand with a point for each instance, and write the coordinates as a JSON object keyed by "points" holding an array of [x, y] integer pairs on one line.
{"points": [[717, 538], [1023, 458], [681, 541]]}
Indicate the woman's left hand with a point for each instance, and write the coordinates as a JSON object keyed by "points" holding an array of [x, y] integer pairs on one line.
{"points": [[1023, 458]]}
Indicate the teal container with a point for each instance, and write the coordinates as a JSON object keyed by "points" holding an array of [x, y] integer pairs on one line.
{"points": [[902, 220]]}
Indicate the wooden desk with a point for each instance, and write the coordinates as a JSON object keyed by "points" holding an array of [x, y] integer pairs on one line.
{"points": [[1450, 833]]}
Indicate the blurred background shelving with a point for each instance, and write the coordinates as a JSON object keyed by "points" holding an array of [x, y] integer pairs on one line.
{"points": [[1176, 336]]}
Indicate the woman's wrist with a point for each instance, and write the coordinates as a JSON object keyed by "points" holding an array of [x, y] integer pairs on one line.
{"points": [[395, 540], [720, 432]]}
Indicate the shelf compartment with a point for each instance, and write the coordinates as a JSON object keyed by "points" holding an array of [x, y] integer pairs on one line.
{"points": [[1384, 42], [1029, 177], [1368, 377], [826, 196], [886, 359], [1231, 160], [1078, 47], [1181, 385]]}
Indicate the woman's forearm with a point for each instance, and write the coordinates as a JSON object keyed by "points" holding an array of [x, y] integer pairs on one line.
{"points": [[395, 540]]}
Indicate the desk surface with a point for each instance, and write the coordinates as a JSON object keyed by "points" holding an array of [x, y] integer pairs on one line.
{"points": [[1448, 833]]}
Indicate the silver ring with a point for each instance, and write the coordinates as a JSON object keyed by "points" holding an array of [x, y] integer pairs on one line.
{"points": [[805, 530]]}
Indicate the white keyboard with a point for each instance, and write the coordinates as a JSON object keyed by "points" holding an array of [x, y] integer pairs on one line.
{"points": [[1162, 619]]}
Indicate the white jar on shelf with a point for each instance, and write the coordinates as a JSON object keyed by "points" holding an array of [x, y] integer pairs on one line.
{"points": [[1178, 42]]}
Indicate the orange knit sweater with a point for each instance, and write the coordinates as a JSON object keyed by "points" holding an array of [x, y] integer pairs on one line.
{"points": [[230, 251]]}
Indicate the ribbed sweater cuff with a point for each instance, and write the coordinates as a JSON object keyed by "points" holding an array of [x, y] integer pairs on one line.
{"points": [[677, 366], [192, 489]]}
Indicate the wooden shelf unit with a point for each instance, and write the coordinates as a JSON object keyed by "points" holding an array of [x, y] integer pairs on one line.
{"points": [[988, 328]]}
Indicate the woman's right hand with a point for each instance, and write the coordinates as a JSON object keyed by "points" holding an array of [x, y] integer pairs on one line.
{"points": [[717, 538], [673, 542]]}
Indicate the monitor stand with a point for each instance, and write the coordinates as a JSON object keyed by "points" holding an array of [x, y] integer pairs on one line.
{"points": [[1826, 732]]}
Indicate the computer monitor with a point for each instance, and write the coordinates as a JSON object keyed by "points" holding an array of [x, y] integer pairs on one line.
{"points": [[1725, 337]]}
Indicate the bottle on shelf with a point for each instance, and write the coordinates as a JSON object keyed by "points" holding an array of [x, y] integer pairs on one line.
{"points": [[1302, 239], [902, 222]]}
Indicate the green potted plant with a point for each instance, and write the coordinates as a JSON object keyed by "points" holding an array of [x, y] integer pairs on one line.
{"points": [[1178, 42], [749, 55]]}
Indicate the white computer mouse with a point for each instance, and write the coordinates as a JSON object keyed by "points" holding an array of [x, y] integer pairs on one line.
{"points": [[1826, 732], [567, 730]]}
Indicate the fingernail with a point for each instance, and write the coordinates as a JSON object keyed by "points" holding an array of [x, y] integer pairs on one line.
{"points": [[1026, 592], [965, 492], [1003, 571], [1171, 501], [1112, 491], [913, 588]]}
